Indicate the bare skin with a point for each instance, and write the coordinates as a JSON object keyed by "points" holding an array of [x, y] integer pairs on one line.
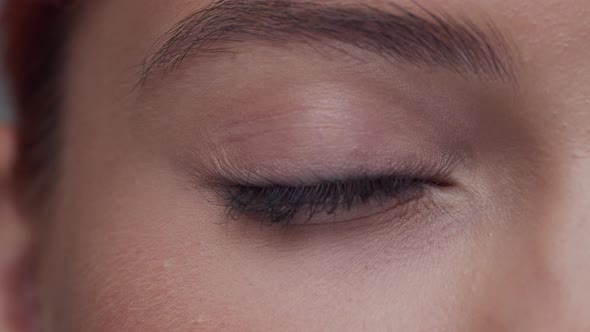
{"points": [[138, 241]]}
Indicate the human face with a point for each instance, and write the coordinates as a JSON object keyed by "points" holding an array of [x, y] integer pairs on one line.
{"points": [[464, 153]]}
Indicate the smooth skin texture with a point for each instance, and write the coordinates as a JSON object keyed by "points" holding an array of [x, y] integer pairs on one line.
{"points": [[138, 243]]}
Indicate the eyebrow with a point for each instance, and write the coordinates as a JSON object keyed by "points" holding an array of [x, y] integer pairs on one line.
{"points": [[418, 37]]}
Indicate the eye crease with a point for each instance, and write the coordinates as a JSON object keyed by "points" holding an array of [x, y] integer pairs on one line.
{"points": [[281, 204]]}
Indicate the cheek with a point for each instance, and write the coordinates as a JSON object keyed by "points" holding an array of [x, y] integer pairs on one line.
{"points": [[126, 251], [120, 255]]}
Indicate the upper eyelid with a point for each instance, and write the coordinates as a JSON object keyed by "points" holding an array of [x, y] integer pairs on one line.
{"points": [[436, 169]]}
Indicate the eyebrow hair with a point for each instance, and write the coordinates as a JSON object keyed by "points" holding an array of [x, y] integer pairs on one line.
{"points": [[419, 38]]}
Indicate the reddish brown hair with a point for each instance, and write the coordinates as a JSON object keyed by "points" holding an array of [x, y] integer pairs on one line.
{"points": [[35, 39]]}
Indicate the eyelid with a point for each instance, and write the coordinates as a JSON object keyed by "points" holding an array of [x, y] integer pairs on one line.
{"points": [[283, 204], [227, 172], [435, 170]]}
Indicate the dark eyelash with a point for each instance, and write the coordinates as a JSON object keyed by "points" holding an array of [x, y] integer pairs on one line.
{"points": [[281, 204]]}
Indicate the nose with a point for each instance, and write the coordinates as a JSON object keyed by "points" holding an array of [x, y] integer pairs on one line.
{"points": [[558, 264], [540, 279]]}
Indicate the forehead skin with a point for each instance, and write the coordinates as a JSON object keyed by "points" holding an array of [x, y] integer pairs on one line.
{"points": [[134, 247]]}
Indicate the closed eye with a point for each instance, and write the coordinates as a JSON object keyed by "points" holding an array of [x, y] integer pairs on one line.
{"points": [[285, 204]]}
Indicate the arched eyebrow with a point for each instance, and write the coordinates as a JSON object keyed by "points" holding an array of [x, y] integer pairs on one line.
{"points": [[418, 37]]}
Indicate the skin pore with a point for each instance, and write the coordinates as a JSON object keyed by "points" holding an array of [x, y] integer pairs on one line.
{"points": [[174, 111]]}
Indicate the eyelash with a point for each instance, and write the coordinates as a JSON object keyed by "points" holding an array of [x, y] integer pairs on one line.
{"points": [[281, 204]]}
